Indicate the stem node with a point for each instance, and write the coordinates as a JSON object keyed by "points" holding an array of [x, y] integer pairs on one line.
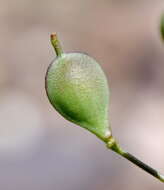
{"points": [[113, 145]]}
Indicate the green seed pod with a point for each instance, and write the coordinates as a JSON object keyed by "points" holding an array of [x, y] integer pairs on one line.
{"points": [[77, 88], [162, 26]]}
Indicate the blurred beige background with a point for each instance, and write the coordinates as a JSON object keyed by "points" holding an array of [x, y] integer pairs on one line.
{"points": [[39, 150]]}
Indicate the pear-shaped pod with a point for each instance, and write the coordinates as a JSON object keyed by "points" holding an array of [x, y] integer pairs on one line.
{"points": [[77, 88]]}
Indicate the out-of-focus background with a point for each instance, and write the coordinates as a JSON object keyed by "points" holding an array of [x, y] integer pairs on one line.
{"points": [[39, 150]]}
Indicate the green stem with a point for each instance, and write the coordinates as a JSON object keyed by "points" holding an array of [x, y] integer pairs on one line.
{"points": [[56, 44], [113, 145]]}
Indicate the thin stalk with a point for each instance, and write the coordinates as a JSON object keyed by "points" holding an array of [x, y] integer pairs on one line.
{"points": [[56, 44], [113, 145]]}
